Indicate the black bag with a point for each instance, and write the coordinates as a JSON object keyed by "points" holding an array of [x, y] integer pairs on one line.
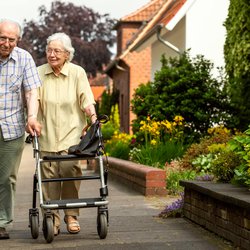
{"points": [[89, 143]]}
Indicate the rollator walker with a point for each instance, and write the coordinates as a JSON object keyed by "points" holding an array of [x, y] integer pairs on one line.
{"points": [[94, 149]]}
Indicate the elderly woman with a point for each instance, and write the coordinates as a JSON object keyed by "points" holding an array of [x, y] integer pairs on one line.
{"points": [[65, 102]]}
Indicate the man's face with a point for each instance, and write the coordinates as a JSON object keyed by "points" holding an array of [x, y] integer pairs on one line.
{"points": [[8, 38]]}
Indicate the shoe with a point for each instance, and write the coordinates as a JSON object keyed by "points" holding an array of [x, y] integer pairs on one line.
{"points": [[73, 226], [56, 230], [3, 234]]}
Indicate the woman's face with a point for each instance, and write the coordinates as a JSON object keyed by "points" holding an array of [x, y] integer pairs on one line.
{"points": [[56, 54]]}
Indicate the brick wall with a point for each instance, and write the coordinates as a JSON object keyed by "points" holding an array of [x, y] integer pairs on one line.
{"points": [[125, 32], [140, 68], [141, 178], [137, 70], [224, 211]]}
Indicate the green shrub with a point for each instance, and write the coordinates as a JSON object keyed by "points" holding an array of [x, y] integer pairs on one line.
{"points": [[202, 164], [157, 155], [174, 177], [217, 136], [186, 87], [113, 125], [108, 130], [237, 63], [118, 149], [224, 164], [119, 145], [240, 145]]}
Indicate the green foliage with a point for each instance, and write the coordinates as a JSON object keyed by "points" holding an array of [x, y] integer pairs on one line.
{"points": [[174, 178], [118, 149], [184, 87], [108, 130], [119, 145], [154, 132], [240, 144], [160, 142], [105, 105], [220, 161], [114, 117], [237, 52], [140, 104], [113, 125], [157, 155], [203, 163], [224, 164], [203, 147], [107, 102]]}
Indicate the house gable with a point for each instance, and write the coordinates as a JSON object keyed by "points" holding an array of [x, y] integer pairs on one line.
{"points": [[189, 24], [129, 70]]}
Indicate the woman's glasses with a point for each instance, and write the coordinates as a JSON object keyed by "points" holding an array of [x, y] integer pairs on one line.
{"points": [[57, 52]]}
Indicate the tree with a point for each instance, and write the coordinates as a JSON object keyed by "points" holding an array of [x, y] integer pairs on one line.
{"points": [[91, 34], [237, 60], [184, 87]]}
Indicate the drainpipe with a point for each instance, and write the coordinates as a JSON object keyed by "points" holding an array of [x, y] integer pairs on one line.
{"points": [[168, 44], [119, 67]]}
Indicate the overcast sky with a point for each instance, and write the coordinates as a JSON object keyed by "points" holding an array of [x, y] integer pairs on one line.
{"points": [[19, 10]]}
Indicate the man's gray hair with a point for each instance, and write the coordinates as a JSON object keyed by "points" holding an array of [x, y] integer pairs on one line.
{"points": [[5, 20], [66, 41]]}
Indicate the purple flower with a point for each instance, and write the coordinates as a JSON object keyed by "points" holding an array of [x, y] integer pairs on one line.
{"points": [[205, 177], [174, 209]]}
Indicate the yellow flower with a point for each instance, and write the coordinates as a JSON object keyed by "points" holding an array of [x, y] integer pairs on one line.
{"points": [[167, 124], [153, 142], [178, 118]]}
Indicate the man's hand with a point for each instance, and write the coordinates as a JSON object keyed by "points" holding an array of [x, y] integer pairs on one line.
{"points": [[33, 125]]}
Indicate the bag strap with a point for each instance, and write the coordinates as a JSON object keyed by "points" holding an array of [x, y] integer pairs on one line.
{"points": [[101, 118]]}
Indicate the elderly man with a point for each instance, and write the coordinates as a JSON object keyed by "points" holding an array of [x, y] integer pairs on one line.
{"points": [[19, 81]]}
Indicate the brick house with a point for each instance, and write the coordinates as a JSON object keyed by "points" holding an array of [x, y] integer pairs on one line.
{"points": [[186, 24], [163, 27], [129, 69]]}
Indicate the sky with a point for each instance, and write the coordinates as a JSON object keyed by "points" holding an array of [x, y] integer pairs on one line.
{"points": [[19, 10]]}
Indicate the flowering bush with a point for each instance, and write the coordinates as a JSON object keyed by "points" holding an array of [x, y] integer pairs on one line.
{"points": [[119, 145], [162, 142], [218, 136], [161, 131]]}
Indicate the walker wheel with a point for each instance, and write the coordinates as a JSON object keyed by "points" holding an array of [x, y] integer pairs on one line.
{"points": [[48, 228], [34, 226], [102, 225]]}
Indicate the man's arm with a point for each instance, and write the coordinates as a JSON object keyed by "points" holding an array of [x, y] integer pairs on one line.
{"points": [[32, 109]]}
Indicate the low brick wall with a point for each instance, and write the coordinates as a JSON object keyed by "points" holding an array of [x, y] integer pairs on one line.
{"points": [[144, 179], [221, 208]]}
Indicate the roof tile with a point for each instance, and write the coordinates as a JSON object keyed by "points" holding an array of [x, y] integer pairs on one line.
{"points": [[144, 13], [171, 12]]}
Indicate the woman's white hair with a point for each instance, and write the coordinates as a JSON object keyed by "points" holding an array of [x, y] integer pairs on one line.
{"points": [[66, 41]]}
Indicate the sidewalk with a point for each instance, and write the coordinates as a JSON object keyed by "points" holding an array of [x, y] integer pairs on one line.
{"points": [[133, 221]]}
